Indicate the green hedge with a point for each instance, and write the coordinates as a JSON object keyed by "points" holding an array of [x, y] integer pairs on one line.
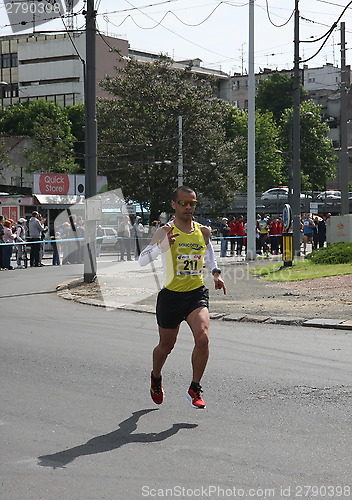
{"points": [[336, 253]]}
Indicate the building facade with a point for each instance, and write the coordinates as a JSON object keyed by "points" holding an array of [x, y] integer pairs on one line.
{"points": [[51, 67]]}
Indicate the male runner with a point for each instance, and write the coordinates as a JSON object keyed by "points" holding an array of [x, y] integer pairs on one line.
{"points": [[185, 247]]}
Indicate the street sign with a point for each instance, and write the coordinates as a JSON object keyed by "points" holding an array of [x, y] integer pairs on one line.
{"points": [[287, 216], [313, 207]]}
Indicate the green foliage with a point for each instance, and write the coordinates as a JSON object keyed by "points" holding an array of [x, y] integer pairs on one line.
{"points": [[76, 117], [318, 158], [138, 131], [275, 94], [53, 151], [336, 253], [269, 164], [48, 125]]}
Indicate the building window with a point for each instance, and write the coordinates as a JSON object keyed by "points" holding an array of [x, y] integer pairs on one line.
{"points": [[9, 60], [8, 91]]}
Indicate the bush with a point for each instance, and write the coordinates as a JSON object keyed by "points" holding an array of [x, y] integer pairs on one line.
{"points": [[336, 253]]}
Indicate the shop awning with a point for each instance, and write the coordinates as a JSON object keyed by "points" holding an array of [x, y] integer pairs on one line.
{"points": [[57, 200]]}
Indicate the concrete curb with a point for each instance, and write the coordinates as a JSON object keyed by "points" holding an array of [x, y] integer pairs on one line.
{"points": [[64, 291]]}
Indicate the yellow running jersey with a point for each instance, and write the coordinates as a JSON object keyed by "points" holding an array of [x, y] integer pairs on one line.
{"points": [[184, 261]]}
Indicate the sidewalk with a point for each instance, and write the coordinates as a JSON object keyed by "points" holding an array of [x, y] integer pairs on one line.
{"points": [[322, 302]]}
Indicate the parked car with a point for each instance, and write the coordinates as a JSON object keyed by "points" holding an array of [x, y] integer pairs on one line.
{"points": [[332, 194], [279, 193], [110, 237]]}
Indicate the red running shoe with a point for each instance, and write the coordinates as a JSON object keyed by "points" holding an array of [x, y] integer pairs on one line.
{"points": [[195, 397], [156, 391]]}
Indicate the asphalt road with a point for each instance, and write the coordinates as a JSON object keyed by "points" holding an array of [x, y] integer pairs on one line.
{"points": [[77, 422]]}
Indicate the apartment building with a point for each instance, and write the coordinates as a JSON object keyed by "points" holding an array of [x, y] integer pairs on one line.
{"points": [[222, 79], [50, 67]]}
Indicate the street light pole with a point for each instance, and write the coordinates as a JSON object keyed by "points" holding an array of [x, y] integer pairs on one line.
{"points": [[296, 142], [251, 201], [343, 177]]}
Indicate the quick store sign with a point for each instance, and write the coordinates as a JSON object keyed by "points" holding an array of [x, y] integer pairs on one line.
{"points": [[61, 184]]}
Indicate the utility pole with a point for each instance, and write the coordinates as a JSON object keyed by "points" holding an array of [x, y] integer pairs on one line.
{"points": [[251, 201], [90, 262], [343, 171], [296, 142]]}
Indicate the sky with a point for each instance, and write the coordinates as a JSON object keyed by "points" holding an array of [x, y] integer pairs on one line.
{"points": [[217, 31]]}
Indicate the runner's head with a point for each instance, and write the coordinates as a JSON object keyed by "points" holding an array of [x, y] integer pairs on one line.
{"points": [[184, 202]]}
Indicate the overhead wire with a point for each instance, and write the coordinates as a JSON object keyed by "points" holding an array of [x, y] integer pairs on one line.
{"points": [[270, 20], [327, 35]]}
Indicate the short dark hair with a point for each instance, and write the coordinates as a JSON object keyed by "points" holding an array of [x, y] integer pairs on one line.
{"points": [[176, 192]]}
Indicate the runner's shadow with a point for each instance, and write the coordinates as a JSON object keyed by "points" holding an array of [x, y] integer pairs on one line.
{"points": [[112, 441]]}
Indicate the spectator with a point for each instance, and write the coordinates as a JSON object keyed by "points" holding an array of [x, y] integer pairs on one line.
{"points": [[280, 230], [321, 232], [124, 233], [274, 236], [308, 230], [66, 245], [54, 237], [232, 235], [1, 241], [315, 233], [153, 227], [99, 239], [208, 224], [20, 237], [138, 231], [224, 232], [240, 234], [9, 238], [263, 228], [36, 228]]}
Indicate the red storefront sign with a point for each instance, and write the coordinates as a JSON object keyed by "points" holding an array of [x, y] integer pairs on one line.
{"points": [[60, 184]]}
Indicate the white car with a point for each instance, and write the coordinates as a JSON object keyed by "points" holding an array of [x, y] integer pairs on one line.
{"points": [[109, 237], [332, 194], [279, 193]]}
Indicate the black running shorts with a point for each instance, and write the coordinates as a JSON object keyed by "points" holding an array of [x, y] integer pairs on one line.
{"points": [[174, 307]]}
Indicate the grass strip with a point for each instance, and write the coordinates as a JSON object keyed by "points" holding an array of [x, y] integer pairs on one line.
{"points": [[302, 270]]}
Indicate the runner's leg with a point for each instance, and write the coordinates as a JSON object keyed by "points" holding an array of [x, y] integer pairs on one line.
{"points": [[198, 321], [167, 340]]}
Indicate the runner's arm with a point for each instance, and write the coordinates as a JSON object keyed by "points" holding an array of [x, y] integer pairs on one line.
{"points": [[151, 251]]}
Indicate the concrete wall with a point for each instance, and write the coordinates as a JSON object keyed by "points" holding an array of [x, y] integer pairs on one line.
{"points": [[339, 228]]}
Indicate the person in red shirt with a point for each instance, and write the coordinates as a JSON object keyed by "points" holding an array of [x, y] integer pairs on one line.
{"points": [[232, 235], [280, 230], [275, 234], [274, 243], [240, 234]]}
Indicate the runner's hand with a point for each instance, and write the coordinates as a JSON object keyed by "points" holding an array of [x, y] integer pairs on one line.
{"points": [[169, 240], [172, 236], [219, 284]]}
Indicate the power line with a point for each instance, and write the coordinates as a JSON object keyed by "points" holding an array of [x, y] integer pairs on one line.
{"points": [[270, 20]]}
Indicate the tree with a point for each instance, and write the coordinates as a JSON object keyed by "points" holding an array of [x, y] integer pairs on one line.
{"points": [[76, 117], [318, 158], [52, 152], [48, 126], [138, 131], [275, 94], [269, 164]]}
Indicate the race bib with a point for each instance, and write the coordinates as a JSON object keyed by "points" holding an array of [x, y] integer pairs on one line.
{"points": [[188, 265]]}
